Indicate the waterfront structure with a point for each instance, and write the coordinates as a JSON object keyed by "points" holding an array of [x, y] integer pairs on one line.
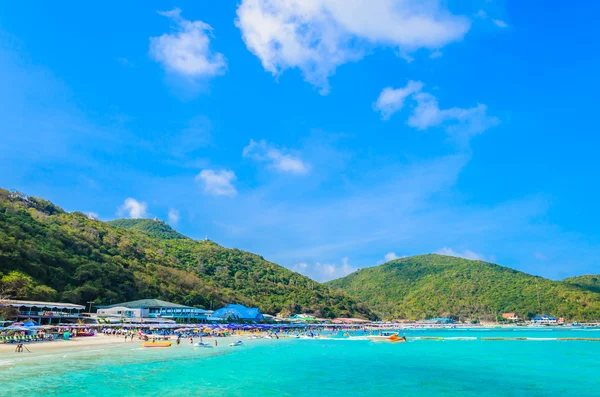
{"points": [[544, 320], [349, 320], [47, 312], [440, 320], [238, 312], [152, 311], [510, 316]]}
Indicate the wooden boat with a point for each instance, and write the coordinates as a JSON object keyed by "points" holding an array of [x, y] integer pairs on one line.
{"points": [[157, 344]]}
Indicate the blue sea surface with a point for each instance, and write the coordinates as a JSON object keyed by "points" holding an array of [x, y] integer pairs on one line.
{"points": [[326, 367]]}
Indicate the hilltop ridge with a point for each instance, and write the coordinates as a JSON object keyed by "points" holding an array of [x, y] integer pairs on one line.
{"points": [[433, 285], [49, 254], [153, 227]]}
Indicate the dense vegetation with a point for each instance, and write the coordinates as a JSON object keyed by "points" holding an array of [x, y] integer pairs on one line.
{"points": [[49, 254], [591, 282], [428, 286], [152, 227]]}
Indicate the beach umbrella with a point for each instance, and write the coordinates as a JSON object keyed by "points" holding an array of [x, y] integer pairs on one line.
{"points": [[17, 328], [29, 323]]}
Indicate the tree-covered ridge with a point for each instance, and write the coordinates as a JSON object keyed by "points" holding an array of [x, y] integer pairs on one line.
{"points": [[428, 286], [590, 282], [152, 227], [46, 253]]}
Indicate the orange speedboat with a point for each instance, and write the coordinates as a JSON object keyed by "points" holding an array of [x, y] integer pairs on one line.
{"points": [[386, 338]]}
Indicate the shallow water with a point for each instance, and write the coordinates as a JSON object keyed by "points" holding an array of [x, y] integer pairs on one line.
{"points": [[294, 367]]}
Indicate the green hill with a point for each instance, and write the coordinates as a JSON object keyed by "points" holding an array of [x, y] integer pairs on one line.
{"points": [[152, 227], [49, 254], [428, 286], [590, 282]]}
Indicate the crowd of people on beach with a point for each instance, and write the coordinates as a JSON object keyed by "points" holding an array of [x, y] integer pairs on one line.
{"points": [[129, 333]]}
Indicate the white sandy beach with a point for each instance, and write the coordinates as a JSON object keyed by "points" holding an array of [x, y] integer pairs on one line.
{"points": [[101, 340]]}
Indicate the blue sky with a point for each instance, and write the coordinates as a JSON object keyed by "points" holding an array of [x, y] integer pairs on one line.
{"points": [[324, 135]]}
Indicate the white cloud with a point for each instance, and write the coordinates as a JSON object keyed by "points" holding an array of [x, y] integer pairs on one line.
{"points": [[467, 254], [435, 54], [173, 216], [458, 121], [324, 271], [276, 158], [92, 215], [217, 182], [186, 51], [317, 36], [500, 23], [390, 256], [132, 208], [539, 256], [392, 100]]}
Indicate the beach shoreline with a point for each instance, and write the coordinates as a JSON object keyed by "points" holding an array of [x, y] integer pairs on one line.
{"points": [[100, 340]]}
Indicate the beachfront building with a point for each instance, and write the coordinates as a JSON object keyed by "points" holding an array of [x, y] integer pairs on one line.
{"points": [[47, 312], [440, 320], [234, 312], [510, 316], [544, 320], [349, 320], [151, 311]]}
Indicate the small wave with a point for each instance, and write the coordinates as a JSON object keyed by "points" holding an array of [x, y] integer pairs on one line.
{"points": [[5, 363]]}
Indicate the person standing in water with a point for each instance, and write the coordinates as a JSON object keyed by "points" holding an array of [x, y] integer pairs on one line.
{"points": [[216, 343]]}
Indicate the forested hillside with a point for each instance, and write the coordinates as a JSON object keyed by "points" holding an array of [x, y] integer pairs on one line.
{"points": [[155, 228], [47, 253], [591, 282], [427, 286]]}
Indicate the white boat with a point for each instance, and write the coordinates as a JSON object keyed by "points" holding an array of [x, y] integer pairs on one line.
{"points": [[267, 337], [237, 343], [200, 344], [253, 337]]}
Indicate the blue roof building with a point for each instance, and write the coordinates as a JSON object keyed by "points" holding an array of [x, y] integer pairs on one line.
{"points": [[238, 312], [154, 309], [544, 319]]}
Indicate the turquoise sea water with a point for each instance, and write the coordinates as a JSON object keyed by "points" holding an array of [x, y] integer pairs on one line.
{"points": [[296, 367]]}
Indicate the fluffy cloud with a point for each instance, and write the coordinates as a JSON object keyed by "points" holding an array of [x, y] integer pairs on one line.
{"points": [[276, 158], [464, 122], [467, 254], [390, 256], [217, 182], [316, 36], [186, 51], [392, 100], [133, 208], [324, 271], [498, 22], [173, 217], [426, 112], [92, 215]]}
